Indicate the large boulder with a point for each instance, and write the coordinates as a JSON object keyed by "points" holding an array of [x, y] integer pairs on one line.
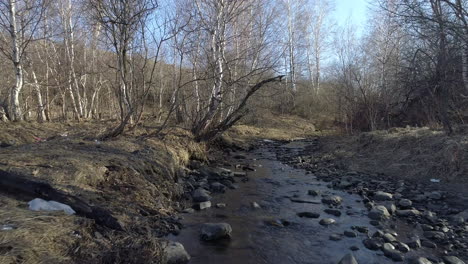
{"points": [[215, 231]]}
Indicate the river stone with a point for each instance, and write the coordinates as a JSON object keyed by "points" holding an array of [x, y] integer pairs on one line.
{"points": [[402, 247], [428, 244], [390, 252], [452, 260], [218, 187], [415, 243], [332, 200], [348, 259], [327, 221], [379, 212], [389, 238], [354, 248], [255, 205], [220, 205], [372, 244], [407, 213], [405, 203], [200, 195], [204, 205], [336, 237], [420, 260], [383, 196], [334, 212], [435, 196], [175, 253], [308, 214], [391, 208], [434, 235], [240, 174], [313, 192], [349, 233], [214, 231], [188, 210]]}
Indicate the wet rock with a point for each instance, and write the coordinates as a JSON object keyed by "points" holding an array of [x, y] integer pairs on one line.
{"points": [[200, 195], [215, 231], [218, 187], [391, 208], [313, 192], [383, 196], [204, 205], [332, 200], [378, 233], [405, 203], [308, 215], [390, 252], [402, 247], [327, 221], [240, 174], [354, 248], [428, 244], [414, 243], [188, 210], [348, 259], [255, 205], [299, 200], [407, 213], [336, 237], [220, 205], [430, 216], [435, 196], [420, 260], [452, 260], [388, 238], [175, 253], [349, 233], [334, 212], [372, 244], [379, 212], [434, 235], [361, 229], [426, 227]]}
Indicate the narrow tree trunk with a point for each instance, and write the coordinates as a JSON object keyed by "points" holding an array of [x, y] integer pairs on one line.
{"points": [[41, 109], [15, 112]]}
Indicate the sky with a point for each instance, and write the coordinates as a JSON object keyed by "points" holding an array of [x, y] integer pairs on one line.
{"points": [[355, 10]]}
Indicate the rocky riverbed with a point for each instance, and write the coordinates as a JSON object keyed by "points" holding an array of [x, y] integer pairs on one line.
{"points": [[280, 203]]}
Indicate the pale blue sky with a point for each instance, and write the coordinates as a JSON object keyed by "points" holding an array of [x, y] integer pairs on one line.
{"points": [[355, 10]]}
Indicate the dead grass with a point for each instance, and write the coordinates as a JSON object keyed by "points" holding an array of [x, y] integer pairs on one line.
{"points": [[133, 177]]}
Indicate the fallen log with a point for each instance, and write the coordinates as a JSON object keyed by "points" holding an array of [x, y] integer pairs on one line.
{"points": [[22, 188]]}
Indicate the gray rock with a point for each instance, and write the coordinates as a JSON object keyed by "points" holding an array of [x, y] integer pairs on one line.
{"points": [[349, 233], [334, 212], [372, 244], [452, 260], [379, 212], [336, 237], [407, 213], [390, 252], [204, 205], [200, 195], [383, 196], [434, 235], [332, 200], [427, 227], [389, 238], [391, 208], [220, 205], [327, 221], [175, 253], [313, 192], [214, 231], [428, 244], [354, 248], [255, 205], [405, 203], [188, 210], [240, 174], [402, 247], [308, 214], [435, 196], [348, 259], [414, 243], [218, 187], [420, 260]]}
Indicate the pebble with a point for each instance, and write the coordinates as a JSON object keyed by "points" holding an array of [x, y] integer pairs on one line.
{"points": [[349, 233], [332, 200], [327, 221], [308, 214]]}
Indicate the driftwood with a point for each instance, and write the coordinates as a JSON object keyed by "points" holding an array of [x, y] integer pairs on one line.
{"points": [[26, 189]]}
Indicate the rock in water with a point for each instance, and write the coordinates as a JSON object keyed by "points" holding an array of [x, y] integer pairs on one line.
{"points": [[383, 196], [200, 195], [214, 231], [39, 204], [308, 215], [175, 253], [390, 252], [379, 212], [405, 203], [452, 260], [348, 259], [420, 260], [332, 200], [327, 221]]}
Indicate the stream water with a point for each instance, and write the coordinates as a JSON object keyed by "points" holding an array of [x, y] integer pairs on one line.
{"points": [[258, 236]]}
